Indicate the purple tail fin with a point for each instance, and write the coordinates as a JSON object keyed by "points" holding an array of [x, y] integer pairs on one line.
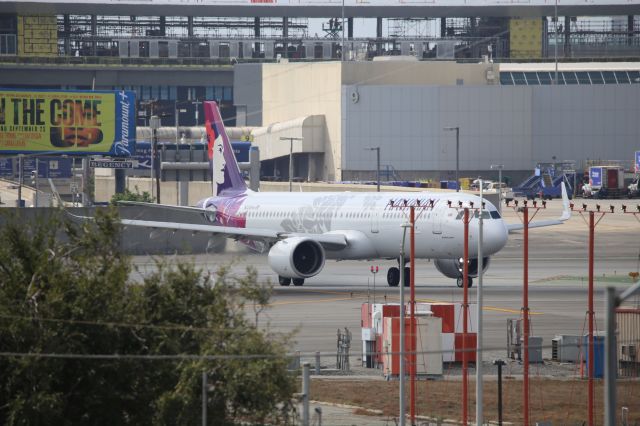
{"points": [[225, 173]]}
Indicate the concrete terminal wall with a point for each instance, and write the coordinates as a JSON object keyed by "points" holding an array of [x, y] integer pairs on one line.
{"points": [[518, 126]]}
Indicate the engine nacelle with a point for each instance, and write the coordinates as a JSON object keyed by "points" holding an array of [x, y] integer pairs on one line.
{"points": [[297, 257], [452, 268]]}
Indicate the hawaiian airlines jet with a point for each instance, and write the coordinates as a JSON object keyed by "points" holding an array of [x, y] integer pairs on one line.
{"points": [[301, 230]]}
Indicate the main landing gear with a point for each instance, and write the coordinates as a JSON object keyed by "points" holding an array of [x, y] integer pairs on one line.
{"points": [[393, 276], [284, 281], [460, 282]]}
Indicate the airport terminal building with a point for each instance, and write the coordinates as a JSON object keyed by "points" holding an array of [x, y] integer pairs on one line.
{"points": [[403, 107], [487, 71]]}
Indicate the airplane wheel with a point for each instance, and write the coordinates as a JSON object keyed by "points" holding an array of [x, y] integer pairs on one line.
{"points": [[461, 280], [393, 277], [284, 281], [298, 281], [407, 277]]}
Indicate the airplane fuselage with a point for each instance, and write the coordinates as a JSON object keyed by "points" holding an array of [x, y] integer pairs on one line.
{"points": [[372, 222]]}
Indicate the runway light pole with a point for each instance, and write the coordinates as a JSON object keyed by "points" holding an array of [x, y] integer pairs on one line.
{"points": [[290, 139], [457, 129], [525, 298], [422, 207], [377, 150], [592, 223], [402, 325], [479, 301]]}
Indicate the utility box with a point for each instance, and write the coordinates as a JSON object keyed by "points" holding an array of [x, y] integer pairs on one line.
{"points": [[466, 346], [372, 322], [566, 348], [535, 350], [598, 355], [369, 347], [427, 340], [452, 317], [366, 311]]}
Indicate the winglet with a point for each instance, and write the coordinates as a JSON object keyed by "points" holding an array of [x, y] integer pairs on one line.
{"points": [[566, 214], [566, 208]]}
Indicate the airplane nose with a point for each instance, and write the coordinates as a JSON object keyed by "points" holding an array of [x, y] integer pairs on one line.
{"points": [[495, 236]]}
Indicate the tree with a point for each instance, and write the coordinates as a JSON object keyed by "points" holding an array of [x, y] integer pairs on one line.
{"points": [[127, 195], [82, 343]]}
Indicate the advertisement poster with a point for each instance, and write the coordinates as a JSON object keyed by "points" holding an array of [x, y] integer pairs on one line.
{"points": [[637, 161], [67, 122], [595, 176]]}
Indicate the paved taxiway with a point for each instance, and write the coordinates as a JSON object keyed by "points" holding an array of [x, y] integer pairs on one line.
{"points": [[557, 274]]}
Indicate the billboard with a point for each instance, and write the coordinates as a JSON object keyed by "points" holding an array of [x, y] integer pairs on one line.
{"points": [[67, 122], [143, 155], [637, 161]]}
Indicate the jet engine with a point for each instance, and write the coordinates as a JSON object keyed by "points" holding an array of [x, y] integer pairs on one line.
{"points": [[296, 257], [452, 268]]}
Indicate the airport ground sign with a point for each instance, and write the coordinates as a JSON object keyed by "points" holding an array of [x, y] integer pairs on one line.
{"points": [[111, 164], [48, 167], [67, 122]]}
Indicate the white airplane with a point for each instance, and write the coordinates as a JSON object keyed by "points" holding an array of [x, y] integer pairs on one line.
{"points": [[301, 230]]}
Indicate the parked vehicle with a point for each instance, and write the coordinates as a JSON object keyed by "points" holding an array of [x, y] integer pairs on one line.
{"points": [[491, 186], [607, 181], [507, 193]]}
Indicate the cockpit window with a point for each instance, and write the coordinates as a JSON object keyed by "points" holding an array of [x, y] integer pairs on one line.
{"points": [[485, 214]]}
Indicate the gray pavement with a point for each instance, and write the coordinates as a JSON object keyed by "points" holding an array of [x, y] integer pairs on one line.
{"points": [[558, 270]]}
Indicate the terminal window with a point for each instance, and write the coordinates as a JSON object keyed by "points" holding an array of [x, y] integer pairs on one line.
{"points": [[569, 77]]}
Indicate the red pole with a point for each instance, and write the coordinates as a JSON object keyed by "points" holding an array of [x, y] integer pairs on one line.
{"points": [[591, 354], [465, 313], [412, 363], [525, 313]]}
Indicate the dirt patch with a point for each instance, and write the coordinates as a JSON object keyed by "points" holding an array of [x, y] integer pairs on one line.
{"points": [[562, 402]]}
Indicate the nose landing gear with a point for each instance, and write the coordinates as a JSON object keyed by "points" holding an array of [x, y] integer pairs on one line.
{"points": [[460, 282]]}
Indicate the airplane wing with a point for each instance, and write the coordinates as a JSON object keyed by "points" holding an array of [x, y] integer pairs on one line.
{"points": [[329, 241], [332, 241], [566, 214]]}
